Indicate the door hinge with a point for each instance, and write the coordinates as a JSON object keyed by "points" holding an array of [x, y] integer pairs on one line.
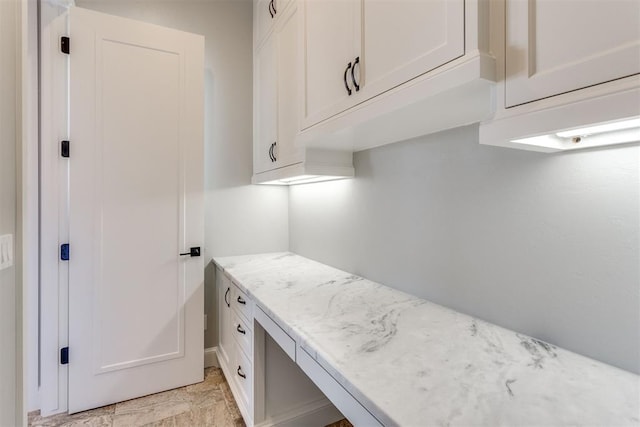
{"points": [[64, 148], [64, 44], [64, 356], [64, 252]]}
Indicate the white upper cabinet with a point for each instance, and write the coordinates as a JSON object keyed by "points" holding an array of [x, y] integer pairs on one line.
{"points": [[276, 97], [276, 156], [355, 50], [557, 46], [565, 67], [380, 71]]}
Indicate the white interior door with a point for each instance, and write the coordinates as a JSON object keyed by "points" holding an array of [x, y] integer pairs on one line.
{"points": [[136, 202]]}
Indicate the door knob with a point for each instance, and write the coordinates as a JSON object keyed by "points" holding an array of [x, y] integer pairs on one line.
{"points": [[195, 251]]}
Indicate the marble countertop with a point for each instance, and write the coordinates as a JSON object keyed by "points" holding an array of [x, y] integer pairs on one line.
{"points": [[411, 362]]}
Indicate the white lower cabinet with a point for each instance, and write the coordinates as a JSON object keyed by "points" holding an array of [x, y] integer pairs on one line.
{"points": [[258, 360], [235, 347]]}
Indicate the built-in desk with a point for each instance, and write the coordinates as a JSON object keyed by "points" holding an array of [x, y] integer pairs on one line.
{"points": [[386, 357]]}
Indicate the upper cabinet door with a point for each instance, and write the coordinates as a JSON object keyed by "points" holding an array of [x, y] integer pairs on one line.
{"points": [[265, 106], [331, 41], [264, 17], [557, 46], [285, 150], [406, 38]]}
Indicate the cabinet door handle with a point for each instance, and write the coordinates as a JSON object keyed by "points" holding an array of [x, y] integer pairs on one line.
{"points": [[271, 153], [239, 329], [225, 297], [241, 301], [353, 77], [346, 85], [239, 371], [275, 145], [270, 12]]}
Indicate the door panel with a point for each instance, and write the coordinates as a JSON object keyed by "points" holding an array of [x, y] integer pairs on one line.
{"points": [[267, 105], [556, 46], [287, 153], [406, 38], [133, 200], [332, 39], [136, 184]]}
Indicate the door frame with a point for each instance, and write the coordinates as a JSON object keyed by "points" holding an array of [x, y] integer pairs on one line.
{"points": [[53, 290]]}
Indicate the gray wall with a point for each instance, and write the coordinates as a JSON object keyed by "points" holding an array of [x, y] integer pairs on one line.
{"points": [[9, 80], [543, 244], [239, 218]]}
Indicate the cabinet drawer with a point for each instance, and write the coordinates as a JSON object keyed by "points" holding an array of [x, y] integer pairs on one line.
{"points": [[341, 398], [243, 374], [279, 336], [242, 304], [243, 334]]}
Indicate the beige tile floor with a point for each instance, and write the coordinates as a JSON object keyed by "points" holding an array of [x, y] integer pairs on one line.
{"points": [[209, 403]]}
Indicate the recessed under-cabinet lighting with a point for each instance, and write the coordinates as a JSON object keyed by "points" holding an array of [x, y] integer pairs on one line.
{"points": [[597, 135], [303, 179]]}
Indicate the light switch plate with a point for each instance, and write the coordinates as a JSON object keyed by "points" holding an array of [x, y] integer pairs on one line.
{"points": [[6, 251]]}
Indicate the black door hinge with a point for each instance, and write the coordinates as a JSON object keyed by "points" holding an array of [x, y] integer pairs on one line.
{"points": [[64, 356], [64, 252], [64, 44], [64, 148]]}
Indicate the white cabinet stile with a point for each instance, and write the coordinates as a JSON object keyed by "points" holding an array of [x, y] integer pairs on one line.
{"points": [[266, 102]]}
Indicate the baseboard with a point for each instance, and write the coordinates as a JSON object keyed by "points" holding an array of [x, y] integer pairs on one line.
{"points": [[315, 413], [211, 357]]}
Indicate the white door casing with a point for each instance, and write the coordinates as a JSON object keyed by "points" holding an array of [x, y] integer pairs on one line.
{"points": [[136, 202]]}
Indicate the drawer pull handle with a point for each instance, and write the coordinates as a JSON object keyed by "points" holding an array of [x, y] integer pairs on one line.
{"points": [[270, 5], [239, 329], [241, 301], [240, 373], [225, 297], [346, 85]]}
